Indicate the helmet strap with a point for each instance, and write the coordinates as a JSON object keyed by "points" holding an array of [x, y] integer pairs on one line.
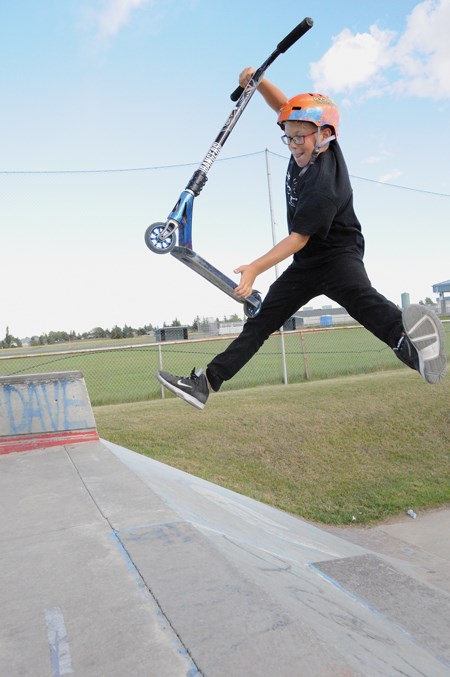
{"points": [[316, 150]]}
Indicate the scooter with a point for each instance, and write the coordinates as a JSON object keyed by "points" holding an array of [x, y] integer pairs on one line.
{"points": [[160, 237]]}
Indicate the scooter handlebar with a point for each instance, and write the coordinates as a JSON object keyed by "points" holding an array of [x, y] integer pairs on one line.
{"points": [[295, 35], [282, 47], [234, 96]]}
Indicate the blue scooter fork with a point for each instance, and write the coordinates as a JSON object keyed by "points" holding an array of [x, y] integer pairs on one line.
{"points": [[180, 218]]}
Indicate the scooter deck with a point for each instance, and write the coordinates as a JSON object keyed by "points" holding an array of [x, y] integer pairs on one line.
{"points": [[210, 273]]}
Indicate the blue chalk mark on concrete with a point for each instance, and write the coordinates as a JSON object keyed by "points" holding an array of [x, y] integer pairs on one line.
{"points": [[369, 607], [114, 537], [163, 621], [60, 658]]}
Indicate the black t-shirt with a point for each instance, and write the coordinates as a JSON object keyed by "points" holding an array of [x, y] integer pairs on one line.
{"points": [[320, 204]]}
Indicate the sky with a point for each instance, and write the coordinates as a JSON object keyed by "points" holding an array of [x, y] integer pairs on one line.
{"points": [[108, 107]]}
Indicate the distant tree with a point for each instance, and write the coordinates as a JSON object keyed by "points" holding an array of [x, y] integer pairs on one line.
{"points": [[10, 341], [97, 332], [6, 343], [146, 329], [176, 323], [233, 318], [116, 332], [196, 323], [57, 337]]}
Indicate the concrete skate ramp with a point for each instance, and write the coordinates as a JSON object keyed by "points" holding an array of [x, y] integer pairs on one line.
{"points": [[115, 564], [44, 410]]}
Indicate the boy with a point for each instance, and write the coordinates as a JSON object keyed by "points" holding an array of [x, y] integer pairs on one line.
{"points": [[327, 246]]}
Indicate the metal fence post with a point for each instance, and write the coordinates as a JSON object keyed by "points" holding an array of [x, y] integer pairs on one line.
{"points": [[305, 359], [160, 363], [274, 241], [283, 357]]}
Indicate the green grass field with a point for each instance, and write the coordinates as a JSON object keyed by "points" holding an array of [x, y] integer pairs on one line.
{"points": [[358, 449], [127, 375], [336, 448]]}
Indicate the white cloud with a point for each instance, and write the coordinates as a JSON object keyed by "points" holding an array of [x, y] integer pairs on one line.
{"points": [[417, 64], [375, 159], [423, 51], [352, 60], [390, 176], [114, 14]]}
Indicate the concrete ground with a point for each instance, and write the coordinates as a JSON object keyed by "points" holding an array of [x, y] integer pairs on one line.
{"points": [[113, 565]]}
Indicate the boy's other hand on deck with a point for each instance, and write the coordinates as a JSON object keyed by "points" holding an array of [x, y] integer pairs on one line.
{"points": [[245, 286]]}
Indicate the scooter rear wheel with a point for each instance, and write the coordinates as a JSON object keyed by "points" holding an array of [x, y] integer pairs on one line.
{"points": [[154, 242], [251, 310]]}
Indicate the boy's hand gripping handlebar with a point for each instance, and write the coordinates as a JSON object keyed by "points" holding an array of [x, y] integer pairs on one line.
{"points": [[242, 96], [282, 47]]}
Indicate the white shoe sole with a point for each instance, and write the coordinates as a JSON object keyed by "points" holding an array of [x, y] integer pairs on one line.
{"points": [[426, 333], [180, 393]]}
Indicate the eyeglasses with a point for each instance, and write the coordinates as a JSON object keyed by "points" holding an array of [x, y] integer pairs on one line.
{"points": [[298, 140]]}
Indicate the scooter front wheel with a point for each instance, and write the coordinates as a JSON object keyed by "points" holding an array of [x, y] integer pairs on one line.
{"points": [[154, 241], [252, 309]]}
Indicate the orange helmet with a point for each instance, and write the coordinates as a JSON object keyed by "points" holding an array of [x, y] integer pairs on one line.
{"points": [[316, 108]]}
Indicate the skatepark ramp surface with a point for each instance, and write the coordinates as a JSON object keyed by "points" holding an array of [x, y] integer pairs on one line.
{"points": [[44, 410], [114, 564]]}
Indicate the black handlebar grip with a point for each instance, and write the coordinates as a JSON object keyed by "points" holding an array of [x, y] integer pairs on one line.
{"points": [[282, 46], [295, 34], [237, 93]]}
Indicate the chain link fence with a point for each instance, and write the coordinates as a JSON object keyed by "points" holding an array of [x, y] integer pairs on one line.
{"points": [[125, 372], [100, 267]]}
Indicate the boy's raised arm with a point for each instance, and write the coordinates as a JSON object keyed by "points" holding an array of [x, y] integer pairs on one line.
{"points": [[273, 96]]}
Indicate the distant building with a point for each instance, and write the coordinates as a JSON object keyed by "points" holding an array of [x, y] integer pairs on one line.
{"points": [[442, 288], [325, 316], [171, 334], [230, 328], [294, 323], [406, 301]]}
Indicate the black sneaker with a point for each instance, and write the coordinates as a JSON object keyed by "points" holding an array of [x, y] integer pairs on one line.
{"points": [[193, 389], [422, 346]]}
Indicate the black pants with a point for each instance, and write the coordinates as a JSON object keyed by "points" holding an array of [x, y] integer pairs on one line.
{"points": [[344, 281]]}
